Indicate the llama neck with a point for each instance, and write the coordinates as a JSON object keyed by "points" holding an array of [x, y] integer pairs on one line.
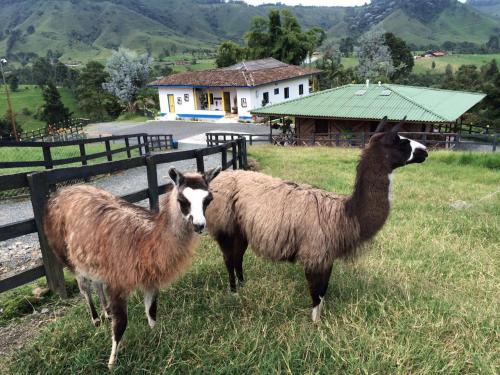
{"points": [[369, 202]]}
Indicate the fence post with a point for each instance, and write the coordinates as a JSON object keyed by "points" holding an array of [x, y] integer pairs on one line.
{"points": [[127, 145], [83, 155], [233, 151], [244, 152], [47, 157], [139, 145], [457, 140], [108, 150], [224, 158], [238, 152], [152, 183], [363, 140], [494, 148], [53, 269], [146, 144], [207, 135], [200, 164]]}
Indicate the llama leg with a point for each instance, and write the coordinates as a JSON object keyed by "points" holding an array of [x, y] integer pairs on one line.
{"points": [[118, 306], [240, 246], [226, 245], [318, 284], [103, 300], [85, 286], [151, 304]]}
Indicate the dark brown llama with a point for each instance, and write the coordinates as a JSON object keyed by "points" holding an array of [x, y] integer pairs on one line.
{"points": [[118, 246], [284, 221]]}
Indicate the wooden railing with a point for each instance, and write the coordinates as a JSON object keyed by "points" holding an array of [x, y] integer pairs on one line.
{"points": [[430, 139], [131, 142], [42, 183]]}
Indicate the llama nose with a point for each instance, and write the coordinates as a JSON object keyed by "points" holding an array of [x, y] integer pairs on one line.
{"points": [[198, 228]]}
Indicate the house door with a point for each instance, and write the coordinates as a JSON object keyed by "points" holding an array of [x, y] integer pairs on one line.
{"points": [[171, 103], [227, 102]]}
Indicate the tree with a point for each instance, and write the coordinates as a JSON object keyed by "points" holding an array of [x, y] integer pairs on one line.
{"points": [[334, 74], [53, 110], [489, 71], [402, 57], [6, 130], [281, 37], [92, 98], [375, 61], [13, 82], [493, 43], [128, 72], [258, 41], [229, 53], [42, 71], [346, 46], [433, 65]]}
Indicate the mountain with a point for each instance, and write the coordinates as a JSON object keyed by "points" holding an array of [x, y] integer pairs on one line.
{"points": [[426, 22], [491, 7], [90, 29]]}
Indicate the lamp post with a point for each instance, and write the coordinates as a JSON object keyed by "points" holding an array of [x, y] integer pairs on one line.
{"points": [[9, 103]]}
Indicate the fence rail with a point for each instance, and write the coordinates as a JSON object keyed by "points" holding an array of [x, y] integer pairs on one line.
{"points": [[41, 183], [141, 142], [430, 139]]}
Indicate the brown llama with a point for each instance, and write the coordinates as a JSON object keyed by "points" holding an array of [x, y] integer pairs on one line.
{"points": [[284, 221], [118, 246]]}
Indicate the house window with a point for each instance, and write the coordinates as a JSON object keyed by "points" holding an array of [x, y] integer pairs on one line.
{"points": [[277, 91], [301, 89], [265, 98], [321, 126], [287, 92], [211, 98]]}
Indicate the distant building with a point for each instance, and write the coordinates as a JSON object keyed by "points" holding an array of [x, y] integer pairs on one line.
{"points": [[232, 91], [359, 108]]}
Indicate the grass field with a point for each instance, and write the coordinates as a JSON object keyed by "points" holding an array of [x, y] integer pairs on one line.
{"points": [[30, 97], [423, 299], [425, 65]]}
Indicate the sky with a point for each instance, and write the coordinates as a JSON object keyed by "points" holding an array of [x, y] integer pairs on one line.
{"points": [[314, 2]]}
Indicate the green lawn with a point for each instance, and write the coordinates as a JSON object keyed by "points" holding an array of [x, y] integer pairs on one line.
{"points": [[423, 299], [425, 65], [30, 97]]}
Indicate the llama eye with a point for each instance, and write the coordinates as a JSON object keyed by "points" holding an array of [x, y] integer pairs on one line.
{"points": [[184, 203], [207, 200]]}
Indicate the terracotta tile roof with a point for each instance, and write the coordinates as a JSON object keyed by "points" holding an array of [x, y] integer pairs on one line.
{"points": [[247, 74]]}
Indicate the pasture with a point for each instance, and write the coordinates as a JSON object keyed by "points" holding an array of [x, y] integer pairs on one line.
{"points": [[30, 97], [423, 298], [424, 65]]}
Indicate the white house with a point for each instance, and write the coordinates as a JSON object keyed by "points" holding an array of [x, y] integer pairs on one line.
{"points": [[233, 91]]}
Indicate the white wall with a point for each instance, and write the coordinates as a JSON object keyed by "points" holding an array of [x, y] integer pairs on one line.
{"points": [[292, 84], [184, 107], [249, 95]]}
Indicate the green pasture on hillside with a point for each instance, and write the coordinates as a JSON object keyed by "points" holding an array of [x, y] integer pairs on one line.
{"points": [[30, 97], [422, 299]]}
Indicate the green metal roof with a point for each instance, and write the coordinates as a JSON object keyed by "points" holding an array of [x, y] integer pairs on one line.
{"points": [[420, 104]]}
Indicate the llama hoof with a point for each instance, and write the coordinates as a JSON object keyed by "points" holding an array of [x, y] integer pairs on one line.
{"points": [[111, 366], [151, 323], [316, 312], [96, 322]]}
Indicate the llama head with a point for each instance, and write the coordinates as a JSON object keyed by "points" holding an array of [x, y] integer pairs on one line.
{"points": [[193, 196], [398, 150]]}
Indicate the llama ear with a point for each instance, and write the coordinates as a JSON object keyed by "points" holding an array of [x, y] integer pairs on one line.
{"points": [[211, 174], [397, 128], [381, 125], [176, 176]]}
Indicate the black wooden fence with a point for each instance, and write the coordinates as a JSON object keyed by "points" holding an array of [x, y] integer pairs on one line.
{"points": [[141, 142], [42, 183], [453, 141]]}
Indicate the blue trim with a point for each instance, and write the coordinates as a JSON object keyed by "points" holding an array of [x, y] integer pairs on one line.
{"points": [[189, 115], [246, 117], [163, 113]]}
